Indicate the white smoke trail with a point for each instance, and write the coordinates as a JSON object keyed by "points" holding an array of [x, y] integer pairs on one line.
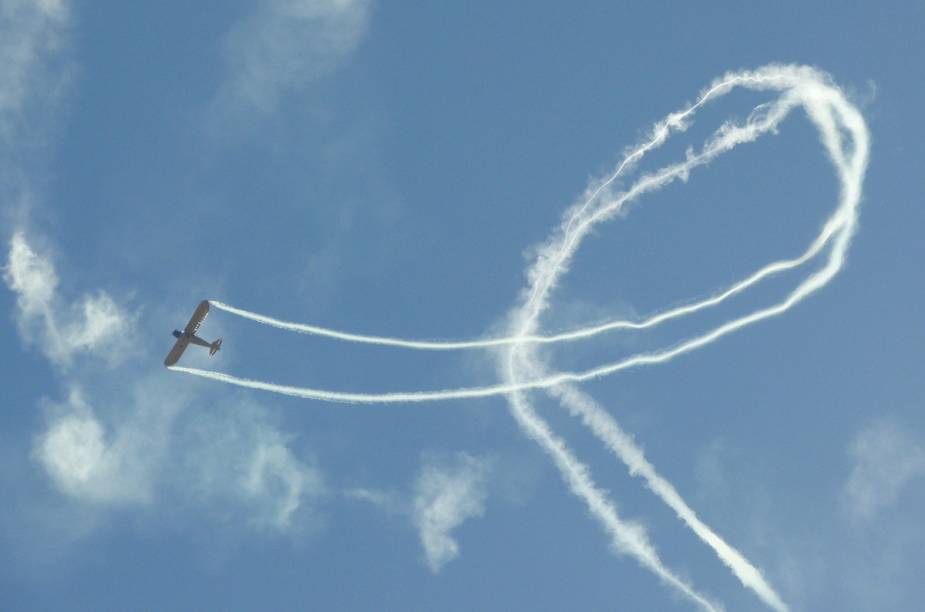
{"points": [[647, 184], [728, 138], [622, 445], [570, 336], [800, 86], [822, 103], [812, 284], [627, 538]]}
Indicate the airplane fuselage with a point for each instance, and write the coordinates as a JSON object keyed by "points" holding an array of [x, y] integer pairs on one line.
{"points": [[190, 337]]}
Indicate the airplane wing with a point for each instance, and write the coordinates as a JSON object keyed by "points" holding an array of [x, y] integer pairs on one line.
{"points": [[198, 317], [174, 355]]}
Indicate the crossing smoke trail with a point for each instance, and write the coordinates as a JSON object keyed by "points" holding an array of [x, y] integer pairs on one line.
{"points": [[519, 366], [822, 102], [622, 445]]}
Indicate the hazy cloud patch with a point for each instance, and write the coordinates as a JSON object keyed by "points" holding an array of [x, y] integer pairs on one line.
{"points": [[286, 44], [73, 450], [33, 76], [30, 35], [710, 473], [385, 500], [107, 464], [245, 465], [236, 466], [886, 458], [447, 493], [280, 480], [125, 447]]}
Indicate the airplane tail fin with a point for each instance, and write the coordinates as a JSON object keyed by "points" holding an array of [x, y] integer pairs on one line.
{"points": [[215, 346]]}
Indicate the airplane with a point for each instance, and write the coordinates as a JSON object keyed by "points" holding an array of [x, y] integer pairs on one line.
{"points": [[189, 335]]}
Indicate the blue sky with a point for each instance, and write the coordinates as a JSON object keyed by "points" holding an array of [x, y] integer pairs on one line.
{"points": [[391, 170]]}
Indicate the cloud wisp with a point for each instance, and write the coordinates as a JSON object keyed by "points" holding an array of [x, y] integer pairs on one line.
{"points": [[886, 459], [106, 464], [445, 495], [32, 79], [240, 464], [94, 324], [113, 442], [285, 45], [448, 490], [121, 461], [31, 36], [845, 139], [81, 462]]}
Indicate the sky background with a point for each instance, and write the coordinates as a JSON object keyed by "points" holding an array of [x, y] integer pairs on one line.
{"points": [[385, 169]]}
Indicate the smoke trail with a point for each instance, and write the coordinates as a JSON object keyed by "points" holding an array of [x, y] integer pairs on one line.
{"points": [[799, 86], [827, 108], [815, 281], [626, 538], [724, 142], [576, 334], [520, 357], [622, 445]]}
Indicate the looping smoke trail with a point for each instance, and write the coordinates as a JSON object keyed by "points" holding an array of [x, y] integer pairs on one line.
{"points": [[827, 108], [519, 367]]}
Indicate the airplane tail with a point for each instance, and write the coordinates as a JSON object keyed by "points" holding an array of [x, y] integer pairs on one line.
{"points": [[215, 346]]}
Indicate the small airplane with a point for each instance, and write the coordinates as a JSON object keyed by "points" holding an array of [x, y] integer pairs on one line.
{"points": [[189, 335]]}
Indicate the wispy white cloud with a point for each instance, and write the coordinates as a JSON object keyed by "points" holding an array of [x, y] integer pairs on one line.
{"points": [[32, 77], [148, 446], [73, 450], [32, 277], [886, 459], [280, 480], [30, 35], [122, 459], [95, 323], [241, 463], [112, 463], [447, 493], [380, 498], [117, 441], [286, 44], [121, 448]]}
